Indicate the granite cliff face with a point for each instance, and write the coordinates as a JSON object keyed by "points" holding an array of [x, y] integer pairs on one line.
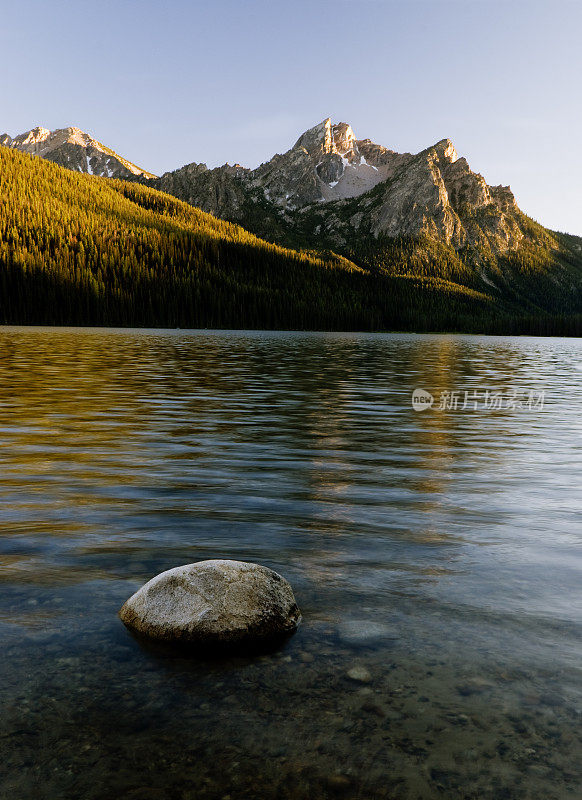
{"points": [[76, 150], [334, 188]]}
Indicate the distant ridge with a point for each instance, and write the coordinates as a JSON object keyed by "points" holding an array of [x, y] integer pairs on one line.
{"points": [[76, 150]]}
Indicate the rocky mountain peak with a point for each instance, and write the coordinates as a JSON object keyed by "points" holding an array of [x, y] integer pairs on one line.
{"points": [[326, 163], [446, 150], [327, 138], [32, 139], [316, 139], [75, 149]]}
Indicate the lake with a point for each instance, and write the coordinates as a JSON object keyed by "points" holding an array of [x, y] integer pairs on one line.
{"points": [[436, 555]]}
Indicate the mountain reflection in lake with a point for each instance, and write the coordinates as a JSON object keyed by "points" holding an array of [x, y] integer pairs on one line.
{"points": [[438, 552]]}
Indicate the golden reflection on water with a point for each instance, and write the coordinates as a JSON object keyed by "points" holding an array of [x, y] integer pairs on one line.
{"points": [[104, 433]]}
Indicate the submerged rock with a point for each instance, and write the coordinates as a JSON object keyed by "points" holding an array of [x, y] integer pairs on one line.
{"points": [[360, 674], [366, 632], [214, 604]]}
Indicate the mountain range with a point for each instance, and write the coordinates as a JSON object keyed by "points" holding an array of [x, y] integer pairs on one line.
{"points": [[424, 218], [334, 187]]}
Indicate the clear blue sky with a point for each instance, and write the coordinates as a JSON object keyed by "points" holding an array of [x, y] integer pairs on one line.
{"points": [[168, 83]]}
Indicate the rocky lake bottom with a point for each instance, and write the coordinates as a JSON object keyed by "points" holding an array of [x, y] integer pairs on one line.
{"points": [[435, 557]]}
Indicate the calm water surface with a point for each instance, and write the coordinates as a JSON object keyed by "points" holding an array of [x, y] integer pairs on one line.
{"points": [[439, 552]]}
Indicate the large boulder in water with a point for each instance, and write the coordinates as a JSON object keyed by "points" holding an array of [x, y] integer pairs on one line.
{"points": [[214, 604]]}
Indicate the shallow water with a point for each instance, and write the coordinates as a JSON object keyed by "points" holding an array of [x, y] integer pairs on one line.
{"points": [[438, 551]]}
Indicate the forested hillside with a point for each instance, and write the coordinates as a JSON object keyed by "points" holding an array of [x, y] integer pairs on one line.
{"points": [[81, 250]]}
